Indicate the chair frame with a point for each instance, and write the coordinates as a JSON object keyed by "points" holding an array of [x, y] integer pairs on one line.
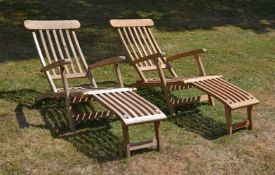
{"points": [[58, 64], [145, 55]]}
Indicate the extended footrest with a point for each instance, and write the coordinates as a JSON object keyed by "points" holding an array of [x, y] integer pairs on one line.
{"points": [[129, 106], [131, 109], [230, 95], [224, 91]]}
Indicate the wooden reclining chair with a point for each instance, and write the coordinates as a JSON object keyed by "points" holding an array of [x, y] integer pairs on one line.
{"points": [[62, 59], [145, 55]]}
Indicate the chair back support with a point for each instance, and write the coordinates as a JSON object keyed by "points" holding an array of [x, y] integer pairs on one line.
{"points": [[57, 40], [139, 41]]}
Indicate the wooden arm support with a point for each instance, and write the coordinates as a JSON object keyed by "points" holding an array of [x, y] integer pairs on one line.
{"points": [[113, 60], [149, 57], [186, 54], [56, 64]]}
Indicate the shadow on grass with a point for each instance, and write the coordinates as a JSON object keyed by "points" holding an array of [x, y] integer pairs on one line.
{"points": [[188, 117], [193, 120], [92, 138], [95, 138], [169, 15]]}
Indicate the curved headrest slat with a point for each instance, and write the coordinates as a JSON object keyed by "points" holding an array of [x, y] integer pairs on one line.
{"points": [[131, 22], [51, 24]]}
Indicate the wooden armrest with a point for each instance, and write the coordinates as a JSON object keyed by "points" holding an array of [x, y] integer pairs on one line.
{"points": [[113, 60], [149, 57], [185, 54], [58, 63]]}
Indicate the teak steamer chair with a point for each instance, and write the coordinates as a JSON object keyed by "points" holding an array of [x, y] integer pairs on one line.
{"points": [[62, 59], [145, 55]]}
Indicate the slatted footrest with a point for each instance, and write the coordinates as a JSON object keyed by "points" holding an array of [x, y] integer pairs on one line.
{"points": [[230, 95], [225, 92], [129, 106]]}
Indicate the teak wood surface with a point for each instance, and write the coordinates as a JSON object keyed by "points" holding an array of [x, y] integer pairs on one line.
{"points": [[145, 55], [62, 59]]}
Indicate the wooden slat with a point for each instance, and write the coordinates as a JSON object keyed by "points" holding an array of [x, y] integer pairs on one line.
{"points": [[108, 90], [51, 45], [151, 36], [244, 104], [128, 104], [42, 60], [146, 108], [66, 50], [113, 60], [131, 22], [153, 68], [233, 93], [70, 76], [233, 90], [142, 145], [145, 41], [59, 49], [73, 50], [125, 44], [142, 100], [149, 57], [186, 54], [219, 96], [130, 54], [163, 59], [190, 100], [145, 119], [111, 105], [46, 50], [92, 115], [126, 108], [149, 62], [240, 125], [151, 45], [136, 45], [233, 87], [222, 90], [79, 51], [47, 25], [197, 79], [131, 46]]}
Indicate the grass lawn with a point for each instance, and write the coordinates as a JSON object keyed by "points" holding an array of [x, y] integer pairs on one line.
{"points": [[240, 37]]}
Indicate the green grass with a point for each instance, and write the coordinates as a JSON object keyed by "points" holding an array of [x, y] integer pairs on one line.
{"points": [[240, 37]]}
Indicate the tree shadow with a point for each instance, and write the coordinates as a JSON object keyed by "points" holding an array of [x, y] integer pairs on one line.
{"points": [[169, 15]]}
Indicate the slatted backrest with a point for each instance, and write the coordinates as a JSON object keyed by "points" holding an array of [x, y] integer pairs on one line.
{"points": [[56, 40], [139, 41]]}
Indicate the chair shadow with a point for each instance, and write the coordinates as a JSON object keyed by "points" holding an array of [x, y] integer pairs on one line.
{"points": [[93, 138], [192, 119], [188, 117]]}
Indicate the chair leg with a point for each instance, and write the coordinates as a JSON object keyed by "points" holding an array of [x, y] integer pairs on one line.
{"points": [[249, 116], [169, 103], [228, 118], [211, 100], [157, 134], [69, 114], [126, 140]]}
